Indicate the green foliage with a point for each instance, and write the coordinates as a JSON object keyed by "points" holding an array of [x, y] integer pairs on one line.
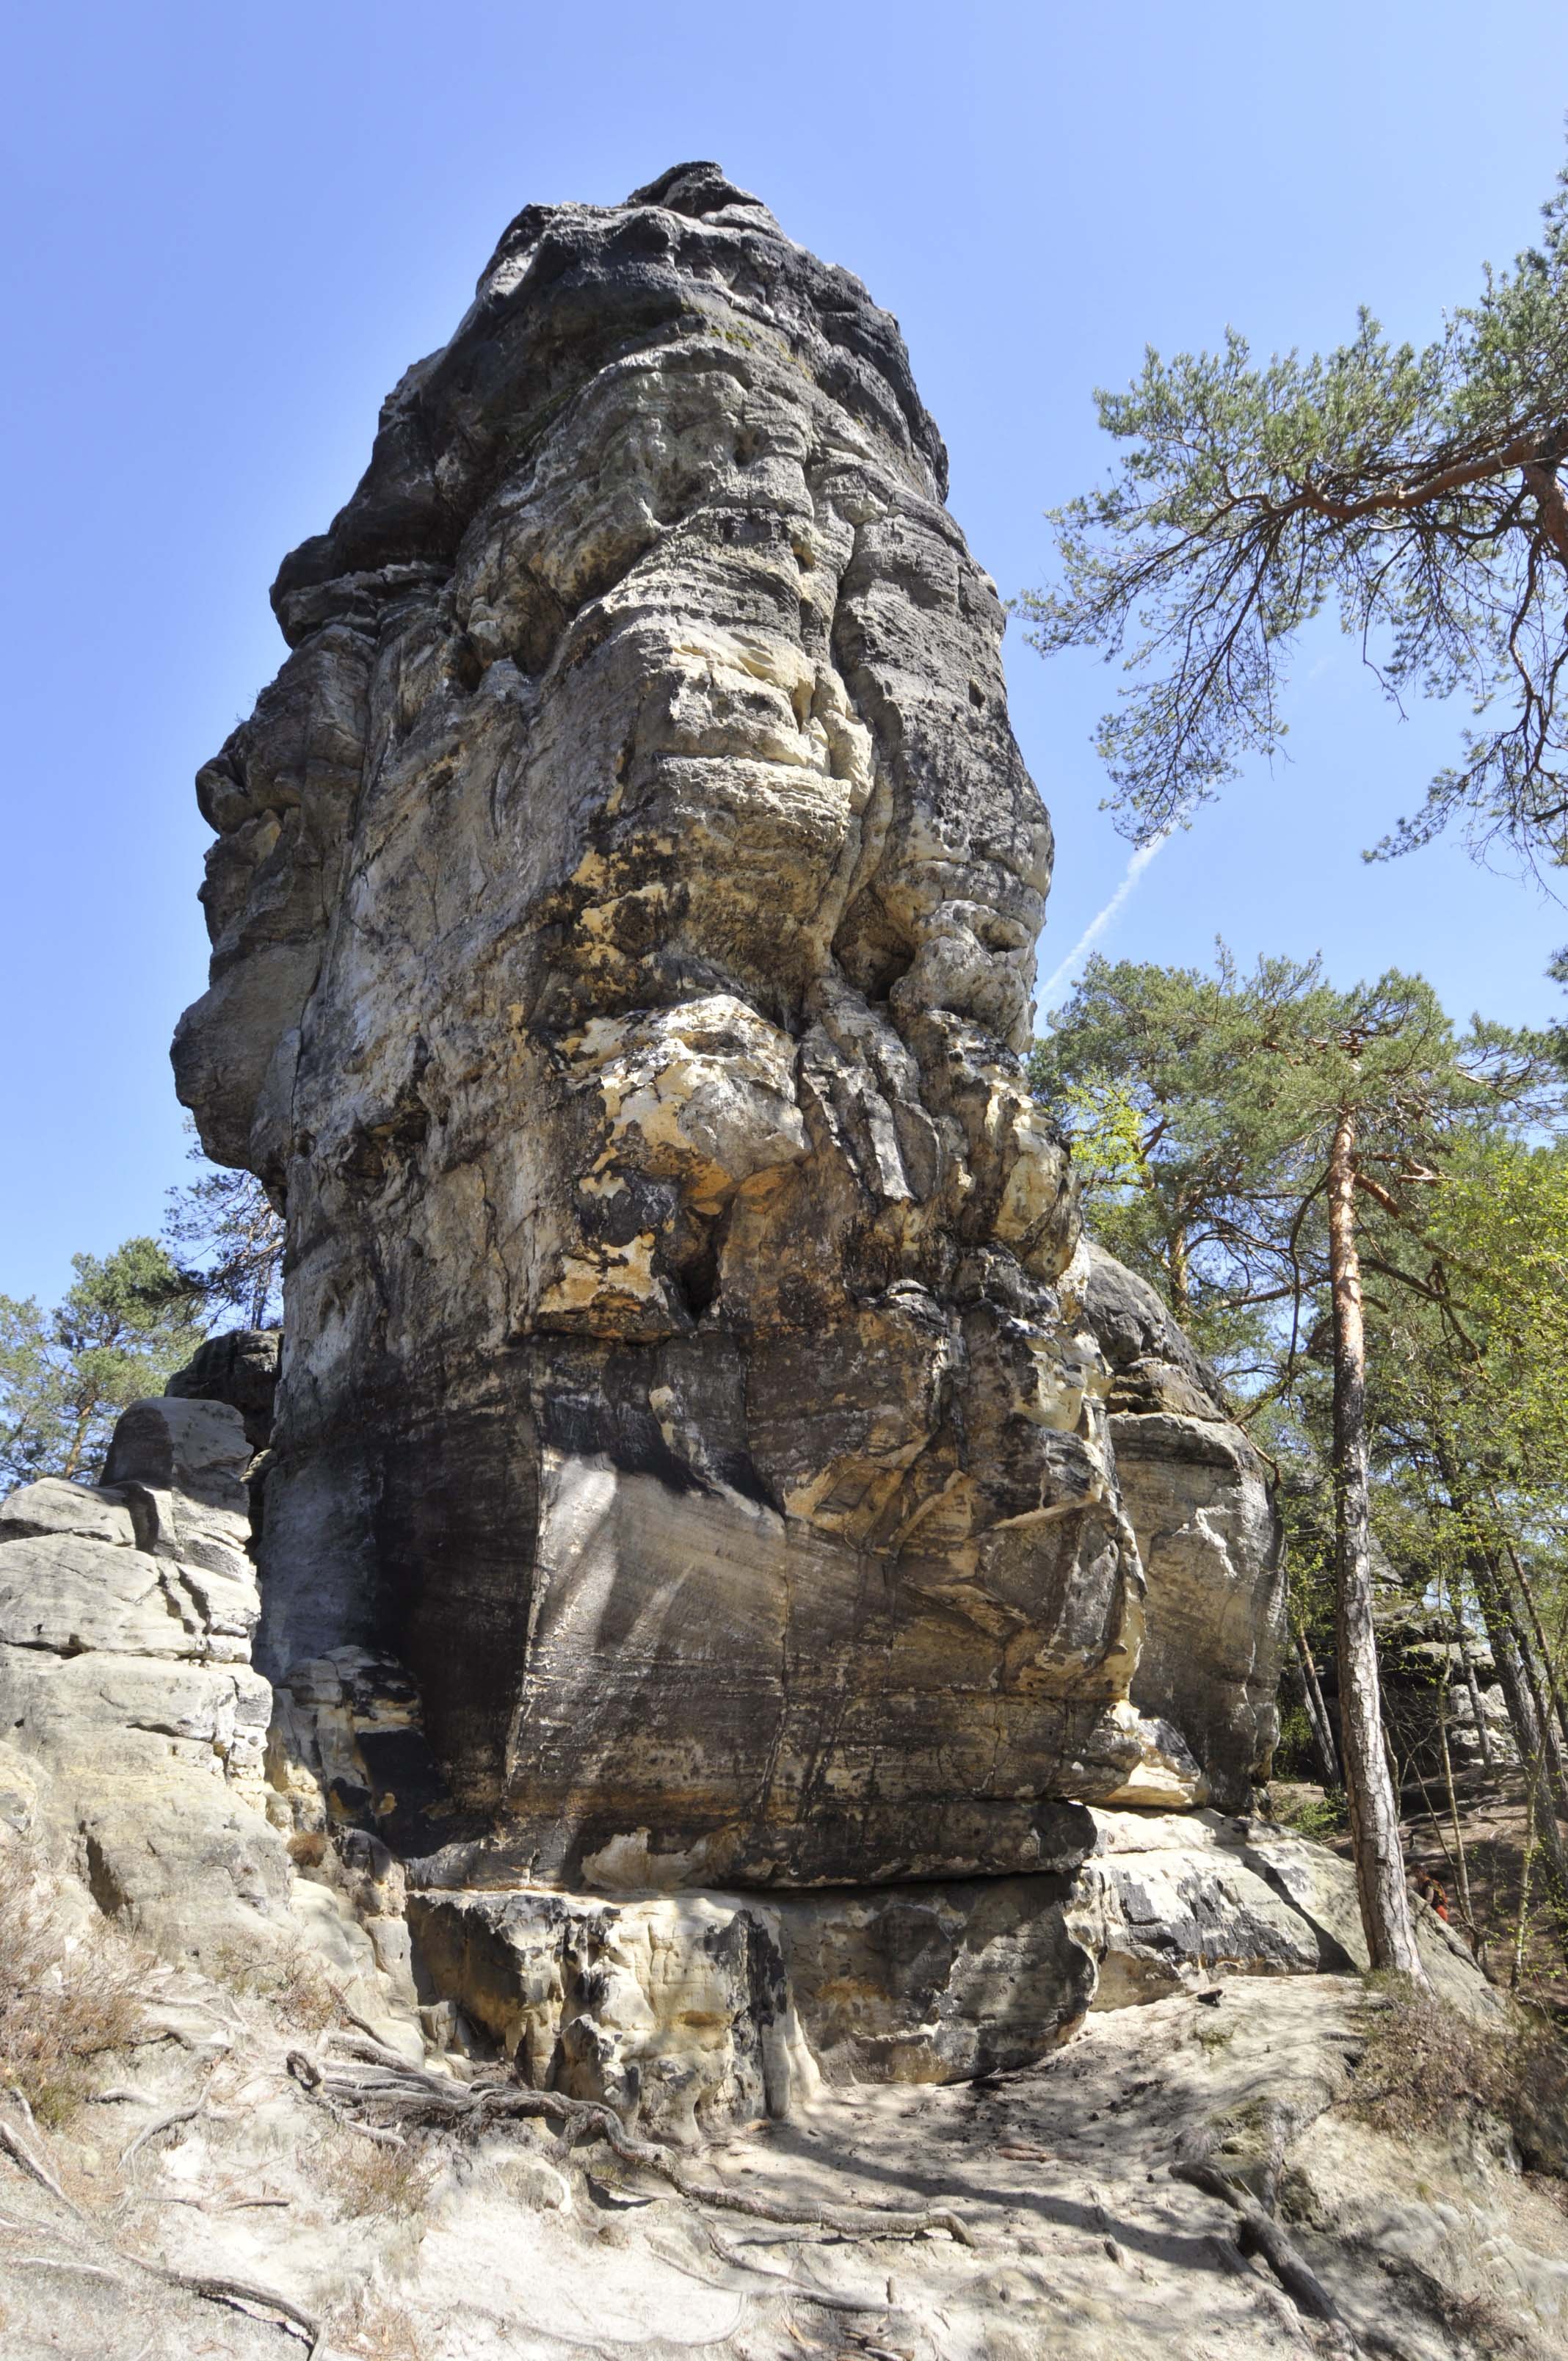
{"points": [[1472, 1393], [1322, 1818], [1204, 1104], [127, 1323], [1417, 491], [129, 1320], [228, 1241]]}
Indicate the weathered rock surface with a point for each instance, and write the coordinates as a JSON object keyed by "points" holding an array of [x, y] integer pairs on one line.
{"points": [[239, 1368], [142, 1746], [1165, 1899], [1198, 1496], [125, 1683], [691, 2011], [623, 910], [694, 2011]]}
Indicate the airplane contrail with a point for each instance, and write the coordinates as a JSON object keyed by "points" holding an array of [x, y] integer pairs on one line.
{"points": [[1135, 867]]}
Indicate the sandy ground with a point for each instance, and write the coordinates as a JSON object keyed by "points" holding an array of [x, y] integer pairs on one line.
{"points": [[1083, 2243]]}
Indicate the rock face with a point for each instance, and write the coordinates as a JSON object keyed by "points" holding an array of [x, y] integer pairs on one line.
{"points": [[1198, 1496], [241, 1368], [623, 911], [689, 2011], [125, 1615]]}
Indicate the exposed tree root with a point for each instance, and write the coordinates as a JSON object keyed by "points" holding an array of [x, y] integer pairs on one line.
{"points": [[1258, 2234], [17, 2148], [163, 2123], [385, 2084], [240, 2295], [237, 2293], [787, 2283]]}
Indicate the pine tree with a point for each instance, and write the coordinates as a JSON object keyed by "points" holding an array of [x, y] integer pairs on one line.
{"points": [[1281, 1118], [127, 1323], [1417, 491]]}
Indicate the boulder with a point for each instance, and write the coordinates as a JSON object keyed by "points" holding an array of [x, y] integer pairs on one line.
{"points": [[239, 1368], [53, 1509]]}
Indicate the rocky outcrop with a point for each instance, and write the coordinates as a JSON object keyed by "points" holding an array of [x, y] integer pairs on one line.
{"points": [[141, 1744], [1165, 1900], [689, 2012], [1198, 1496], [623, 908], [125, 1682], [239, 1368]]}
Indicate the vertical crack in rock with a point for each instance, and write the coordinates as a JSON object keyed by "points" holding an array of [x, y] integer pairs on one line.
{"points": [[623, 907]]}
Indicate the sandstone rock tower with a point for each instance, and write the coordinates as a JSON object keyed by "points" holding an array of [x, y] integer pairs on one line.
{"points": [[694, 1426]]}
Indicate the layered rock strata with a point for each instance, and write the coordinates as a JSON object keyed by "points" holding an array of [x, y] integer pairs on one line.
{"points": [[623, 909], [1198, 1496], [126, 1681], [689, 2011]]}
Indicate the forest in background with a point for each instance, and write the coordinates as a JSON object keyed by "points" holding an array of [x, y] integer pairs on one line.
{"points": [[1357, 1209], [1202, 1110]]}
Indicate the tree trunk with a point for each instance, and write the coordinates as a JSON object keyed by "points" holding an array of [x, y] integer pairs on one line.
{"points": [[79, 1437], [1180, 1279], [1540, 1761], [1322, 1727], [1542, 1647], [1534, 1755], [1522, 1932], [1370, 1789], [1483, 1736], [1461, 1867]]}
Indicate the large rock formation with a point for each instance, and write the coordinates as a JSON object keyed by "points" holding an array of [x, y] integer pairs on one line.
{"points": [[623, 911]]}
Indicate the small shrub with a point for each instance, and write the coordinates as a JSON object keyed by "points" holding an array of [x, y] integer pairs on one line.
{"points": [[1321, 1816], [64, 1999], [289, 1979], [1424, 2060], [365, 2179]]}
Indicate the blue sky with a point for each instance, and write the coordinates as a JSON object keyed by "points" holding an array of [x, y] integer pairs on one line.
{"points": [[230, 229]]}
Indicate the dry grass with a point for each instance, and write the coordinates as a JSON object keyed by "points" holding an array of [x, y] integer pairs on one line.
{"points": [[291, 1979], [375, 2327], [65, 1999], [365, 2180], [1424, 2062]]}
